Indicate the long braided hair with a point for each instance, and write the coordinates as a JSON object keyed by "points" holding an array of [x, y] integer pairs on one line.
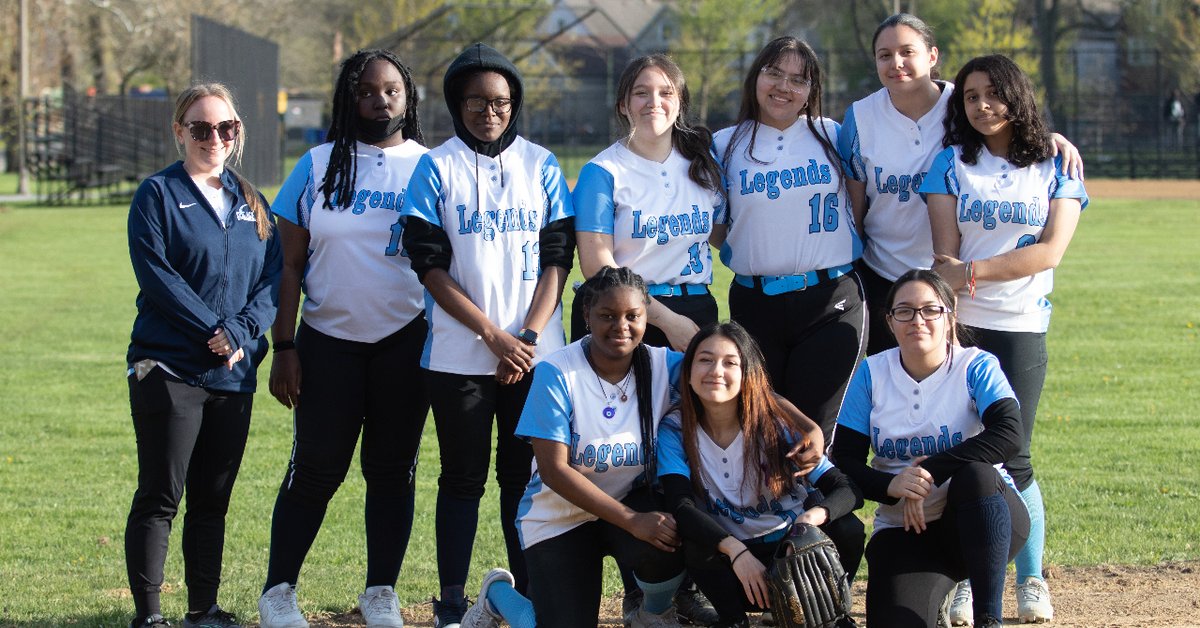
{"points": [[343, 128], [603, 282]]}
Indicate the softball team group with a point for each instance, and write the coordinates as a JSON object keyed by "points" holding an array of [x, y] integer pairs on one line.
{"points": [[920, 233]]}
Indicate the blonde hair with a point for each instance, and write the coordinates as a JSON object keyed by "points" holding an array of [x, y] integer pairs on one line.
{"points": [[186, 99]]}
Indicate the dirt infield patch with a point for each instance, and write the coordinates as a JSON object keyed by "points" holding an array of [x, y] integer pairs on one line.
{"points": [[1157, 189], [1104, 595]]}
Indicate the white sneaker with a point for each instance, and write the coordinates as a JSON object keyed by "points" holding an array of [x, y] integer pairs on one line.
{"points": [[482, 614], [380, 608], [1033, 602], [962, 611], [277, 608], [645, 619]]}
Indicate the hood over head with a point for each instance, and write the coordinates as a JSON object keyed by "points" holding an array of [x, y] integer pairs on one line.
{"points": [[482, 58]]}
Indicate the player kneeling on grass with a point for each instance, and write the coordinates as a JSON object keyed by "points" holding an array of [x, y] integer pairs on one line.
{"points": [[1002, 213], [729, 444], [940, 420]]}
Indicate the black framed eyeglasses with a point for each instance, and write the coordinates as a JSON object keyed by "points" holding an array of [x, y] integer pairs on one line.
{"points": [[906, 314], [201, 130], [500, 106]]}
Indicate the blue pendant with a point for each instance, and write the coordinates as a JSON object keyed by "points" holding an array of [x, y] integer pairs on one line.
{"points": [[609, 412]]}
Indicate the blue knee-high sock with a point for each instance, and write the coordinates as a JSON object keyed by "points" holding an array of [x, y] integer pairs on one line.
{"points": [[515, 608], [985, 530], [658, 595], [1029, 559]]}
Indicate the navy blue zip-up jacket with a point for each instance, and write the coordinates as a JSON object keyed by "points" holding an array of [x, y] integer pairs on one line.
{"points": [[196, 277]]}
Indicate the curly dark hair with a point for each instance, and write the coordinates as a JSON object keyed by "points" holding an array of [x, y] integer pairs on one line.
{"points": [[1031, 137], [748, 114], [343, 129]]}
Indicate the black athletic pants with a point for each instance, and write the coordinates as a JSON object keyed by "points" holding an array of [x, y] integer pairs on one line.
{"points": [[566, 571], [1023, 359], [909, 574], [463, 407], [879, 336], [812, 340], [713, 571], [348, 388], [187, 438]]}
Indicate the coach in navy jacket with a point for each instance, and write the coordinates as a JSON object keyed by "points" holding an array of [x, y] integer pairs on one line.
{"points": [[197, 277]]}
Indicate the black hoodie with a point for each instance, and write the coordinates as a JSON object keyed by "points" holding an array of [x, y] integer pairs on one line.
{"points": [[482, 58]]}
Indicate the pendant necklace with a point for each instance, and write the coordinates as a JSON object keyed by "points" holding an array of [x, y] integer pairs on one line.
{"points": [[610, 409]]}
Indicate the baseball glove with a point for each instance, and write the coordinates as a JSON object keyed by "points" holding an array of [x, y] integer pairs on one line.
{"points": [[808, 587]]}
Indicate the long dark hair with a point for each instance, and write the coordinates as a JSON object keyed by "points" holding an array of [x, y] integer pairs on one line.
{"points": [[765, 428], [748, 114], [1031, 138], [693, 141], [604, 281], [343, 128]]}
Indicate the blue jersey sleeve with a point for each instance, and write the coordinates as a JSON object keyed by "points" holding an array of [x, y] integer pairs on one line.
{"points": [[548, 408], [849, 149], [424, 195], [986, 383], [941, 178], [671, 457], [1066, 187], [593, 197], [295, 199], [674, 374], [558, 198], [856, 408]]}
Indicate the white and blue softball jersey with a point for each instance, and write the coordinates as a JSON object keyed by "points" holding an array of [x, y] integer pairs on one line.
{"points": [[891, 153], [492, 210], [906, 419], [1000, 208], [744, 511], [356, 287], [659, 218], [567, 404], [788, 210]]}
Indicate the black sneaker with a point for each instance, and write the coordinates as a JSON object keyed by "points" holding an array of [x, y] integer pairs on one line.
{"points": [[448, 614], [693, 608], [216, 617], [987, 621], [153, 621]]}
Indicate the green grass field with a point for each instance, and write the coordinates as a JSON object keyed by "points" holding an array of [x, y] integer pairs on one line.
{"points": [[1116, 446]]}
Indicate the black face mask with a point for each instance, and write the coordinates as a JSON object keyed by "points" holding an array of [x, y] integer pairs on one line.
{"points": [[371, 131]]}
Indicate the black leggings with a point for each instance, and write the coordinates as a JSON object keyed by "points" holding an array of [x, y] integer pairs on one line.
{"points": [[982, 527], [1023, 359], [714, 574], [463, 407], [811, 339], [349, 387], [566, 571], [879, 337], [186, 437]]}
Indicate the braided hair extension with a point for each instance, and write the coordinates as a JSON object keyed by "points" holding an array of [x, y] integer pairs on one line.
{"points": [[601, 283], [338, 185]]}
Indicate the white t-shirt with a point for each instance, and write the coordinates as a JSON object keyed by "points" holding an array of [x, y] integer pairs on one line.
{"points": [[1000, 208], [891, 153], [906, 419], [566, 404], [659, 218], [791, 214], [492, 211], [356, 285]]}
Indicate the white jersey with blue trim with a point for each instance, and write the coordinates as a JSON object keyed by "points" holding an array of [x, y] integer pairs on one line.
{"points": [[788, 210], [492, 211], [1001, 208], [567, 404], [906, 419], [356, 287], [746, 512], [891, 153], [659, 218]]}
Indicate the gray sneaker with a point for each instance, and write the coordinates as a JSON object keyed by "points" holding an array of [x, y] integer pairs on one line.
{"points": [[962, 605], [482, 614], [643, 618]]}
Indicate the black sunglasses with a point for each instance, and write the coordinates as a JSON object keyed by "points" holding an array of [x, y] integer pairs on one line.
{"points": [[201, 130]]}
